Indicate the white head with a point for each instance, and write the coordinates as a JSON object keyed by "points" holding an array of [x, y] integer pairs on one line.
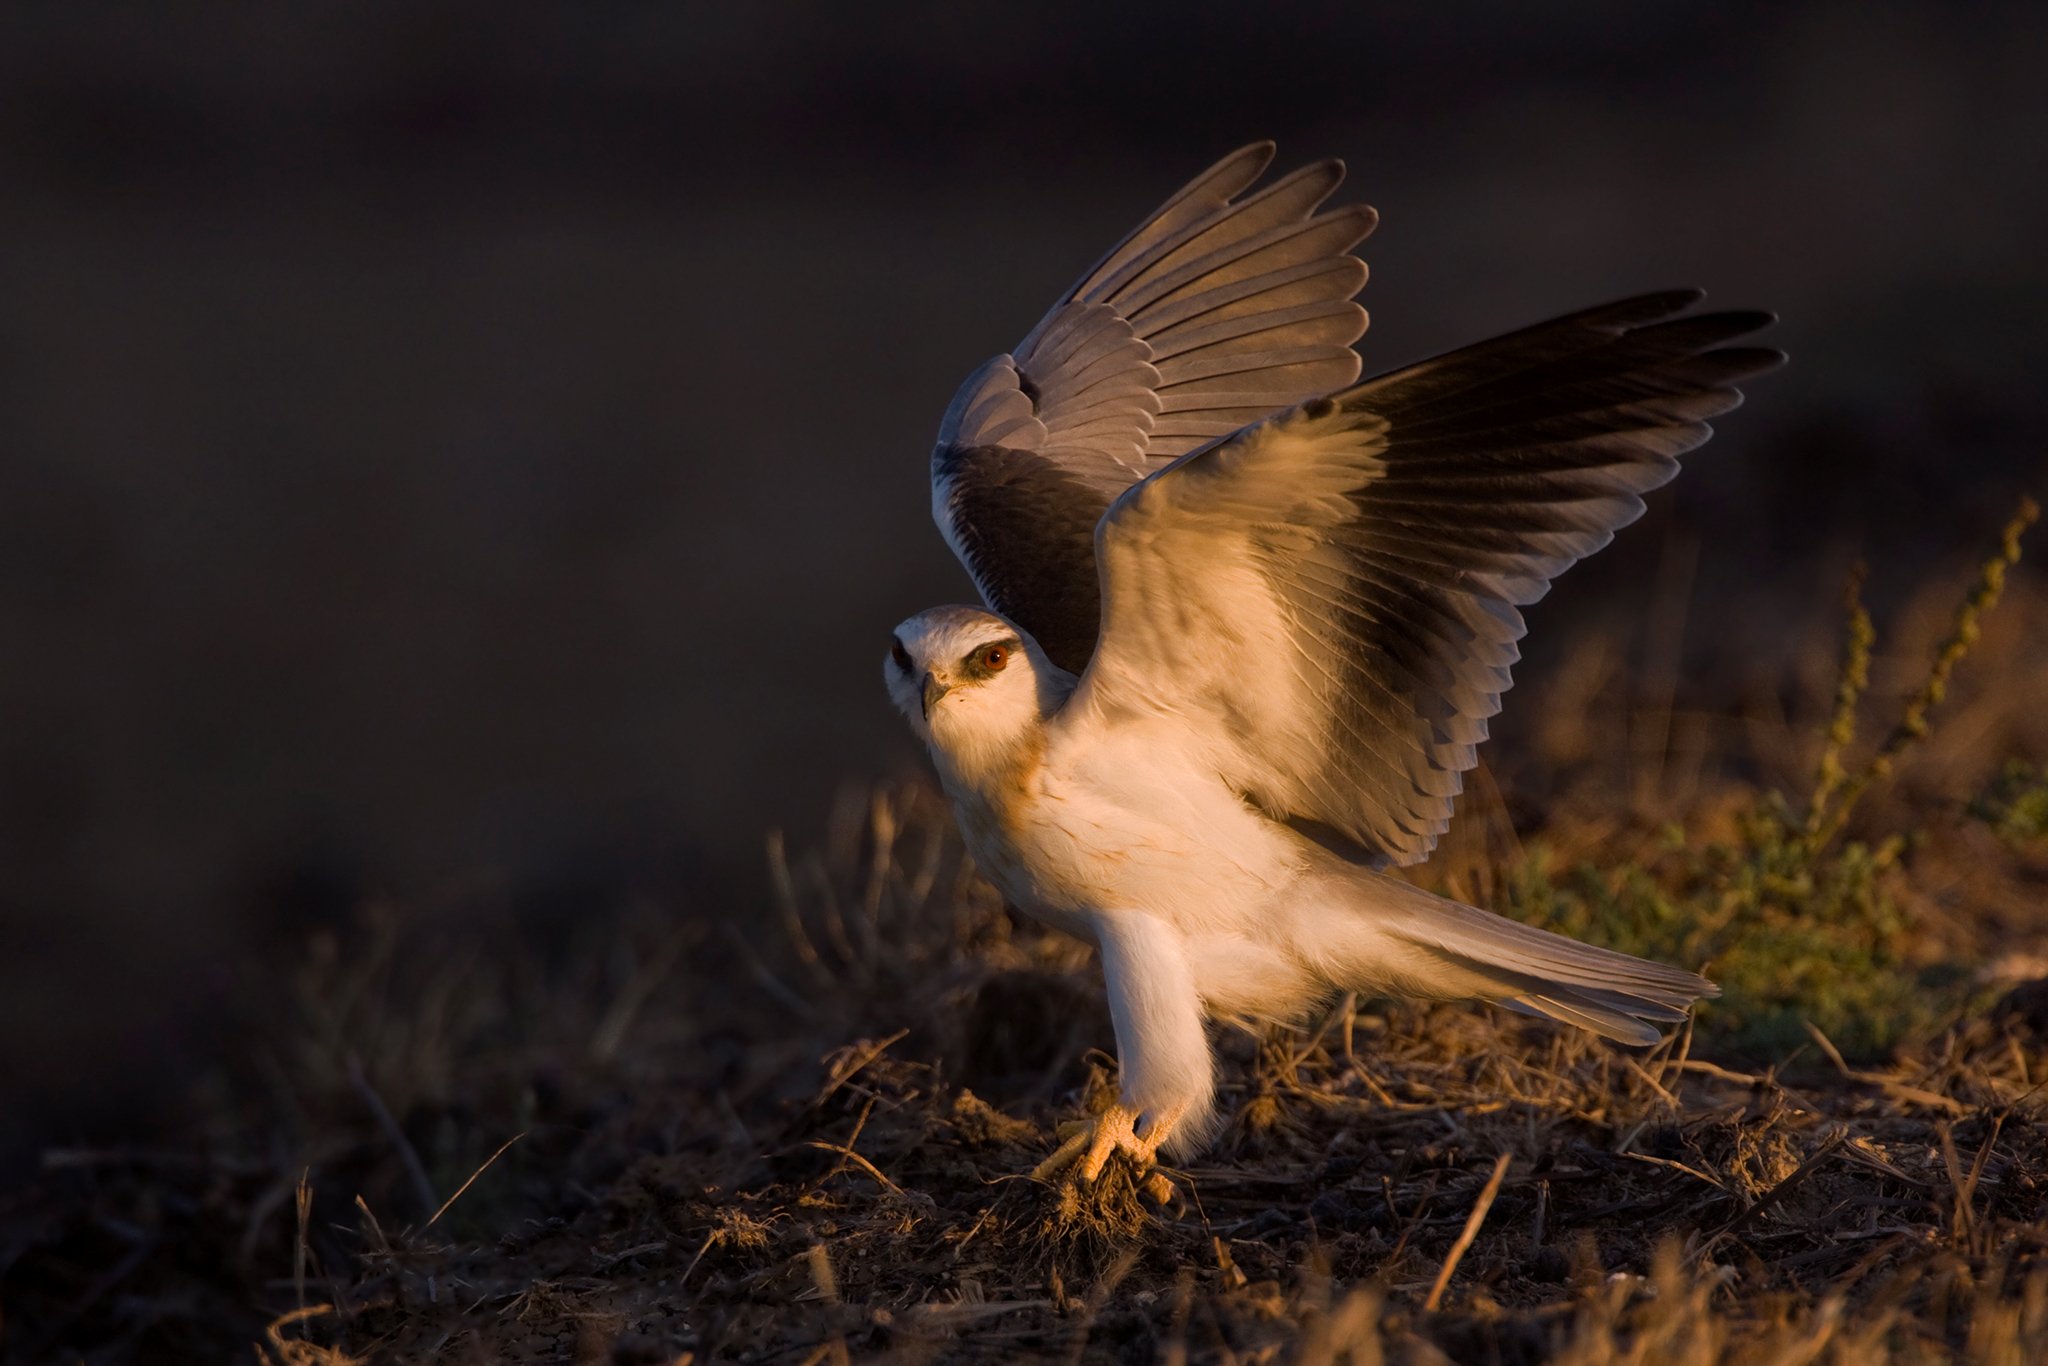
{"points": [[974, 687]]}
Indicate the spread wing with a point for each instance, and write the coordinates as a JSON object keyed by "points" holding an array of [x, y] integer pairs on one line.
{"points": [[1219, 309], [1327, 601]]}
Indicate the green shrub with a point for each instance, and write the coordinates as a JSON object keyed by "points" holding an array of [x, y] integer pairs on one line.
{"points": [[1796, 924], [1789, 933], [2015, 806]]}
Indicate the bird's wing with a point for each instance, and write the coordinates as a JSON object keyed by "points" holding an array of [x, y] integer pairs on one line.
{"points": [[1219, 309], [1326, 602]]}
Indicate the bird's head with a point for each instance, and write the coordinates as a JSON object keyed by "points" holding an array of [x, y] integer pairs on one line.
{"points": [[972, 685]]}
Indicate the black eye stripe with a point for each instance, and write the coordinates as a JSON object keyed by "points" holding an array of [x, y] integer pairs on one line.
{"points": [[899, 654]]}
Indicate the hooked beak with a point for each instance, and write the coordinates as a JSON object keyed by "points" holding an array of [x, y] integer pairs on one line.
{"points": [[933, 691]]}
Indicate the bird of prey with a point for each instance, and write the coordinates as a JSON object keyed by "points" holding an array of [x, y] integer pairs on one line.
{"points": [[1247, 618]]}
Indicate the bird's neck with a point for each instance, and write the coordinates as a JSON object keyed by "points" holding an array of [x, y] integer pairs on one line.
{"points": [[996, 752], [994, 768]]}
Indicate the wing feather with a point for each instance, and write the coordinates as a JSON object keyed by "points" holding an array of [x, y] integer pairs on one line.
{"points": [[1285, 205], [1326, 603], [1207, 195], [1226, 305], [1334, 277]]}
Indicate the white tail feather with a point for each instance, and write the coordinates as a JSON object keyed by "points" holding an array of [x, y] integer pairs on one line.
{"points": [[1421, 944]]}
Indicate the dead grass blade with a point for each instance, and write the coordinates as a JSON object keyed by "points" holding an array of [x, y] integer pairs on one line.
{"points": [[472, 1179], [1469, 1232]]}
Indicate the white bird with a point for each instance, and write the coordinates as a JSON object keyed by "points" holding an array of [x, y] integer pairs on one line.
{"points": [[1249, 619]]}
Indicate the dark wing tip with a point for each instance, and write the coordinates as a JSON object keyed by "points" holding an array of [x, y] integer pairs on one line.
{"points": [[1702, 335], [1653, 306], [1737, 322], [1695, 333], [1747, 362]]}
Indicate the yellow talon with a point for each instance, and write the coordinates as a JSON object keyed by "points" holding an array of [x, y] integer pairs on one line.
{"points": [[1087, 1146]]}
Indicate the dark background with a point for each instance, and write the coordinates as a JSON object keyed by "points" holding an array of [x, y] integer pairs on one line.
{"points": [[473, 454]]}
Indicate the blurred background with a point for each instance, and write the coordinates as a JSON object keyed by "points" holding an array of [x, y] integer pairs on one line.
{"points": [[471, 455]]}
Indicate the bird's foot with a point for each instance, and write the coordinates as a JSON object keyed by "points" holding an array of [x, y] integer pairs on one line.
{"points": [[1088, 1144]]}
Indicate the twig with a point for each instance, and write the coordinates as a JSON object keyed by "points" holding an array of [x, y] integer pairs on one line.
{"points": [[1652, 1082], [1298, 1056], [1718, 1073], [472, 1179], [612, 1259], [1470, 1231], [414, 1168], [1827, 1046], [850, 1155], [850, 1060], [828, 1290], [378, 1240], [1674, 1059], [1933, 1100], [1963, 1219], [301, 1249], [709, 1239], [1693, 1172]]}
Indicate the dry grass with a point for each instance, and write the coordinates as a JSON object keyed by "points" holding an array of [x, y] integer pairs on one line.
{"points": [[797, 1137]]}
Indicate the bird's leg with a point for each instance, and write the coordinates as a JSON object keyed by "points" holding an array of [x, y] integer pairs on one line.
{"points": [[1163, 1053]]}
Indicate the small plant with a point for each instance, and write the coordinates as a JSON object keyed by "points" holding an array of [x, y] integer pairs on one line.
{"points": [[2015, 806], [1835, 791], [1797, 924]]}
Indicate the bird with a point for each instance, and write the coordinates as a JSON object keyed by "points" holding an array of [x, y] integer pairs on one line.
{"points": [[1245, 618]]}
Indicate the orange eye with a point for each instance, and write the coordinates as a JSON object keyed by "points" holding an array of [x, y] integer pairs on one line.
{"points": [[994, 657]]}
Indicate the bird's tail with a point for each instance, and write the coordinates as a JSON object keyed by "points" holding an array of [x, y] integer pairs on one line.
{"points": [[1403, 939]]}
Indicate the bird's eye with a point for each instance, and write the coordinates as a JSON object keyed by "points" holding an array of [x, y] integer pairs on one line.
{"points": [[994, 657], [899, 654]]}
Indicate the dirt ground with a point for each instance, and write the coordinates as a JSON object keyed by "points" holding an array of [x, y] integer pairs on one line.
{"points": [[799, 1132]]}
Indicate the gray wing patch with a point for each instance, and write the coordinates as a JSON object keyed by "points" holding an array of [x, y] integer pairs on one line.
{"points": [[994, 406], [1223, 307]]}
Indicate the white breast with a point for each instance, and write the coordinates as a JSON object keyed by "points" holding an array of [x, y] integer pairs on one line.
{"points": [[1121, 825]]}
